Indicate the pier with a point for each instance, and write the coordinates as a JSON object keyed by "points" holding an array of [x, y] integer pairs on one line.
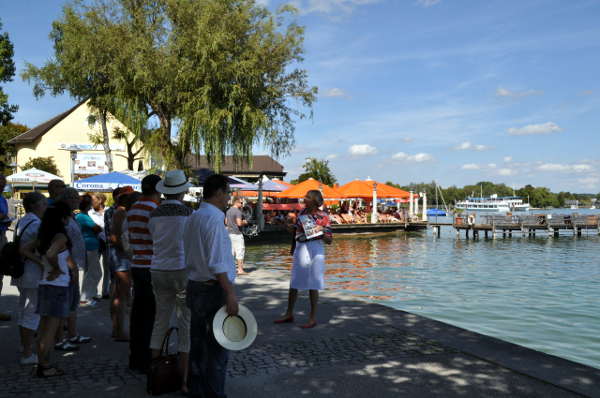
{"points": [[550, 224]]}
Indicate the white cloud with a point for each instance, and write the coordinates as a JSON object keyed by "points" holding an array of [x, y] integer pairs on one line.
{"points": [[428, 3], [418, 157], [492, 165], [329, 6], [362, 150], [530, 129], [468, 146], [331, 156], [506, 172], [407, 139], [470, 166], [508, 159], [503, 92], [565, 168], [335, 92], [589, 182]]}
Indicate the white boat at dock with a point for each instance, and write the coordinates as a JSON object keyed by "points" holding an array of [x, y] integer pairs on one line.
{"points": [[493, 203]]}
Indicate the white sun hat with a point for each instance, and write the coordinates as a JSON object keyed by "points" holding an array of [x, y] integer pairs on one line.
{"points": [[235, 332], [174, 182]]}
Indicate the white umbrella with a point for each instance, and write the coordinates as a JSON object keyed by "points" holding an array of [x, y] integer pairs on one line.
{"points": [[31, 177]]}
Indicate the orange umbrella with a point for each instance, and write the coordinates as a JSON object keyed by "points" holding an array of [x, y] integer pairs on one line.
{"points": [[300, 190], [364, 189], [287, 184]]}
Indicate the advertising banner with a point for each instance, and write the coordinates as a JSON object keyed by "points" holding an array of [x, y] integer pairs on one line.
{"points": [[90, 163]]}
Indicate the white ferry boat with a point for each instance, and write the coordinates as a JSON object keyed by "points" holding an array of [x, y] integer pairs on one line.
{"points": [[493, 204]]}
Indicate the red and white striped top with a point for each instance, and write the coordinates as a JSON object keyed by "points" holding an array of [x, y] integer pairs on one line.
{"points": [[140, 238]]}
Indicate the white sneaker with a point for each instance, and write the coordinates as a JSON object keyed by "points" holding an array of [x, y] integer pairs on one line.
{"points": [[30, 360]]}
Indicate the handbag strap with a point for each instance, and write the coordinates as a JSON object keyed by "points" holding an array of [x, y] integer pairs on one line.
{"points": [[164, 349], [18, 236]]}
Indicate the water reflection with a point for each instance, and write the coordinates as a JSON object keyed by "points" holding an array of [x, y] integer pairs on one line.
{"points": [[540, 292]]}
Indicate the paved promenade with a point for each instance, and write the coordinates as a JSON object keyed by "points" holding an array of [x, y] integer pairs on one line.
{"points": [[357, 350]]}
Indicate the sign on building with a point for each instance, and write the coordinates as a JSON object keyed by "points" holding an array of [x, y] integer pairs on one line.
{"points": [[90, 163]]}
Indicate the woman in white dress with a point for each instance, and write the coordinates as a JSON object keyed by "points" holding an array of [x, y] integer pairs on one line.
{"points": [[312, 230]]}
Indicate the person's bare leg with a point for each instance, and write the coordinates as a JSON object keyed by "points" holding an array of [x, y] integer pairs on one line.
{"points": [[289, 314], [124, 286], [240, 267], [72, 324], [48, 331], [27, 341], [312, 318]]}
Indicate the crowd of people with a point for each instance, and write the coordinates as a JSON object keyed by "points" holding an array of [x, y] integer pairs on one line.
{"points": [[155, 257]]}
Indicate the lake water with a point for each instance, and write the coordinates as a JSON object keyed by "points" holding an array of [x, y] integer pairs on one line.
{"points": [[541, 292]]}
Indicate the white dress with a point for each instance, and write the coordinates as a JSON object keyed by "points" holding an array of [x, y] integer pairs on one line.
{"points": [[309, 266]]}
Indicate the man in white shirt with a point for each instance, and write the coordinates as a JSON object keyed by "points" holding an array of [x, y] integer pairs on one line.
{"points": [[211, 273]]}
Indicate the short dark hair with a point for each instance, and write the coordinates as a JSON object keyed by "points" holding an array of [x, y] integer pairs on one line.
{"points": [[149, 184], [214, 183], [86, 203], [316, 196], [31, 199]]}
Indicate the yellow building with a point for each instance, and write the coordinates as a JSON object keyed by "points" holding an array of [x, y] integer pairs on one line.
{"points": [[66, 138]]}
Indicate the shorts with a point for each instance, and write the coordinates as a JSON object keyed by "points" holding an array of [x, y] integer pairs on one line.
{"points": [[53, 301], [118, 263], [237, 246], [26, 315]]}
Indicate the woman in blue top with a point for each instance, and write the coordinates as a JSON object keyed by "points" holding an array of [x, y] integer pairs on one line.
{"points": [[92, 271]]}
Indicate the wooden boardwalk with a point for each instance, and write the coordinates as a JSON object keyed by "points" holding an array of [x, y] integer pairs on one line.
{"points": [[552, 225]]}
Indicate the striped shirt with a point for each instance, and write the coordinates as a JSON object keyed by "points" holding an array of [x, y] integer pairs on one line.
{"points": [[140, 238]]}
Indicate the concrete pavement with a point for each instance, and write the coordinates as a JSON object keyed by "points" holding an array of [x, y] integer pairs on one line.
{"points": [[358, 349]]}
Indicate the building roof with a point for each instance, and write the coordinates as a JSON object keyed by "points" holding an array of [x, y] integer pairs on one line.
{"points": [[38, 131], [261, 164]]}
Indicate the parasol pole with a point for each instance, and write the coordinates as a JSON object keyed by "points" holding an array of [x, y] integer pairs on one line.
{"points": [[374, 206], [410, 204], [424, 216], [260, 217]]}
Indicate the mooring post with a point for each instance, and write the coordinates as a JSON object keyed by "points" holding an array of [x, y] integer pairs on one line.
{"points": [[578, 231], [485, 233], [510, 233], [556, 233], [504, 233]]}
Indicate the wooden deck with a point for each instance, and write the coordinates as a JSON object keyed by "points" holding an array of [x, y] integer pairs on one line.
{"points": [[278, 233], [524, 225]]}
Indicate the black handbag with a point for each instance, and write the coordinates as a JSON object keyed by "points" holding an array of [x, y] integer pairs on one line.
{"points": [[164, 375], [11, 262]]}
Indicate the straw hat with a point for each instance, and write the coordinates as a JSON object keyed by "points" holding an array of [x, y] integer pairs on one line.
{"points": [[235, 332], [174, 182]]}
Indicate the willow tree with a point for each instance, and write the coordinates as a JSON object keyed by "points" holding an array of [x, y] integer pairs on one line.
{"points": [[80, 67], [216, 76]]}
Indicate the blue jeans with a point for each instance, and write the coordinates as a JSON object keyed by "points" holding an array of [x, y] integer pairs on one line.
{"points": [[208, 360]]}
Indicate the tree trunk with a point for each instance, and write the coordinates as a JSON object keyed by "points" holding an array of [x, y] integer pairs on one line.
{"points": [[106, 141]]}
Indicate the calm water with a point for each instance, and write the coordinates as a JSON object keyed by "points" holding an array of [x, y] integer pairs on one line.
{"points": [[540, 292]]}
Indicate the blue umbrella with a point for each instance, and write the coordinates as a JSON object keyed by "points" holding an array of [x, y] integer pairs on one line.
{"points": [[107, 182]]}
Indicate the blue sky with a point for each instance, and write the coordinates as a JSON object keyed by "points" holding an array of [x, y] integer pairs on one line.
{"points": [[421, 90]]}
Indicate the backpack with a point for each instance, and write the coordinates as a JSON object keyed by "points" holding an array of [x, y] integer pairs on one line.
{"points": [[11, 263]]}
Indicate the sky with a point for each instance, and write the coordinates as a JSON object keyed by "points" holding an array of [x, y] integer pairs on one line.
{"points": [[420, 90]]}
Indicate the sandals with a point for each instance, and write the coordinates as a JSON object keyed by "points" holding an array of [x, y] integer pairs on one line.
{"points": [[287, 319], [48, 371]]}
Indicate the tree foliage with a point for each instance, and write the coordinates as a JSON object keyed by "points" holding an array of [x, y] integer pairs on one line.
{"points": [[7, 132], [537, 196], [216, 76], [317, 169], [7, 71], [41, 163]]}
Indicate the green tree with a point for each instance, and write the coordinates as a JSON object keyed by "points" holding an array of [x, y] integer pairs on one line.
{"points": [[7, 151], [317, 169], [79, 67], [216, 76], [41, 163], [7, 71]]}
